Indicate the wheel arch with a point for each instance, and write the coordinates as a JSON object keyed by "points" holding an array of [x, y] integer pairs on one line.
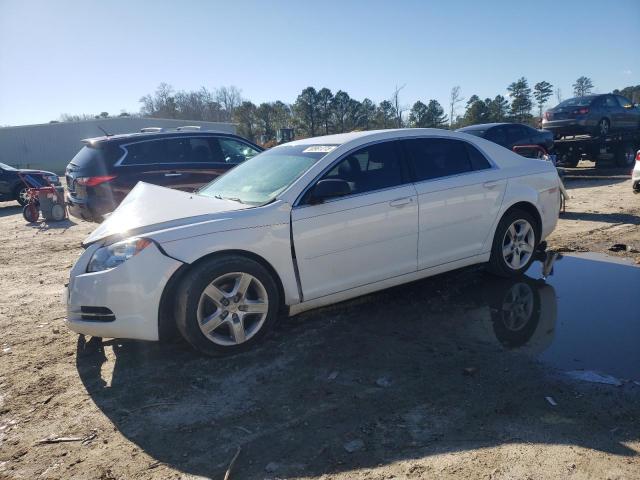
{"points": [[167, 328], [531, 209]]}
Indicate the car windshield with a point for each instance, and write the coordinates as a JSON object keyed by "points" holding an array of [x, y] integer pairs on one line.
{"points": [[4, 166], [577, 102], [260, 179]]}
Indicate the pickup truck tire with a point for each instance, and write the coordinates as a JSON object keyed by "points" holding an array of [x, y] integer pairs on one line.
{"points": [[226, 304], [514, 244]]}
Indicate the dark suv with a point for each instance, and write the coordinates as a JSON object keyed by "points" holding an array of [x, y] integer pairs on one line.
{"points": [[107, 168], [13, 187]]}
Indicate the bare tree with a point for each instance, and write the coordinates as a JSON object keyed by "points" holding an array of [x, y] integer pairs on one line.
{"points": [[230, 98], [558, 94], [454, 99], [398, 109]]}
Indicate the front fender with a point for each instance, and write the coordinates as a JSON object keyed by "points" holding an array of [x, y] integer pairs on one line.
{"points": [[271, 243]]}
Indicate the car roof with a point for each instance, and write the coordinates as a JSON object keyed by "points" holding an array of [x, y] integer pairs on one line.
{"points": [[486, 126], [371, 135], [122, 137]]}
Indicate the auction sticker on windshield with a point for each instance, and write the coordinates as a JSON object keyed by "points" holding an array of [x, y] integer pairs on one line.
{"points": [[319, 149]]}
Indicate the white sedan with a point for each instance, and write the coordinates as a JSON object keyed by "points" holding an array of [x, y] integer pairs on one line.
{"points": [[306, 224], [635, 174]]}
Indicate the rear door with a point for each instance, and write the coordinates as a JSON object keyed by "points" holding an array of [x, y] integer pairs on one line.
{"points": [[617, 115], [459, 196], [144, 161]]}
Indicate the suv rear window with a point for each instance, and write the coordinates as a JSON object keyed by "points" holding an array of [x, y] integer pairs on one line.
{"points": [[97, 157]]}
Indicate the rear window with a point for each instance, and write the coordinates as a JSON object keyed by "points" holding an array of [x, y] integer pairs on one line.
{"points": [[97, 157], [577, 102], [478, 132]]}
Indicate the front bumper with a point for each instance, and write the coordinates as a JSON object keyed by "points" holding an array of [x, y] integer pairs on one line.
{"points": [[131, 291]]}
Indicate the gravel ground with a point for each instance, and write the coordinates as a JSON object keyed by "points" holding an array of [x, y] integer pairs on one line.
{"points": [[399, 384]]}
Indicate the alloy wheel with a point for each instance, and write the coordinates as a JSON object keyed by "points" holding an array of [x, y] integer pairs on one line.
{"points": [[518, 244], [517, 307], [604, 126], [232, 308]]}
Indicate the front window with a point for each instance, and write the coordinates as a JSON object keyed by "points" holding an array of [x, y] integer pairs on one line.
{"points": [[236, 152], [261, 178]]}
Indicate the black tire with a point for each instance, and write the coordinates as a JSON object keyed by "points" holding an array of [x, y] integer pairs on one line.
{"points": [[31, 213], [192, 286], [20, 195], [497, 263], [604, 127], [515, 311], [625, 155]]}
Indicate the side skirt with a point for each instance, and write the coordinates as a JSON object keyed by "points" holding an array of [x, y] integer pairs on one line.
{"points": [[387, 283]]}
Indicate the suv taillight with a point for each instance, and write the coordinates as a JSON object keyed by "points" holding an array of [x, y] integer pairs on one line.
{"points": [[93, 181]]}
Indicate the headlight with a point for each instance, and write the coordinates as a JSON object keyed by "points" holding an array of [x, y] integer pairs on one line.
{"points": [[113, 255]]}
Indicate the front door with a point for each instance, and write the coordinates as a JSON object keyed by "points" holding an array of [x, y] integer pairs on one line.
{"points": [[366, 236]]}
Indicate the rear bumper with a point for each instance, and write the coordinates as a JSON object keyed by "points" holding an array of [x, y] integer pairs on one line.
{"points": [[570, 126], [91, 209], [635, 178]]}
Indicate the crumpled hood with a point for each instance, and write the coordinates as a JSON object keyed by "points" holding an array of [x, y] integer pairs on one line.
{"points": [[150, 207]]}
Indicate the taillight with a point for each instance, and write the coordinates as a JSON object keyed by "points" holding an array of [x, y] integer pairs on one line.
{"points": [[581, 111], [93, 181], [547, 115], [638, 156]]}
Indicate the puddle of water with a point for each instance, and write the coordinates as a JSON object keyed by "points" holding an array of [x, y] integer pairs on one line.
{"points": [[583, 317]]}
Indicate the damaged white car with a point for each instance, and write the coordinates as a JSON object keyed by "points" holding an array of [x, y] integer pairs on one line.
{"points": [[306, 224]]}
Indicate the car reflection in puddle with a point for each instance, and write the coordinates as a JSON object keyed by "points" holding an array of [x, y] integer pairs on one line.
{"points": [[579, 318]]}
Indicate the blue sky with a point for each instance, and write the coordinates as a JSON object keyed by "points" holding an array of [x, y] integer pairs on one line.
{"points": [[68, 56]]}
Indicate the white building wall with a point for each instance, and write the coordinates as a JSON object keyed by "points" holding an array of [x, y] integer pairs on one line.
{"points": [[50, 146]]}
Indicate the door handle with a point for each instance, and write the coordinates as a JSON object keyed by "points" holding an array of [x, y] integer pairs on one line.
{"points": [[490, 184], [173, 174], [400, 202]]}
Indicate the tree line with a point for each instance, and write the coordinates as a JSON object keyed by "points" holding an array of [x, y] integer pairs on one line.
{"points": [[323, 112]]}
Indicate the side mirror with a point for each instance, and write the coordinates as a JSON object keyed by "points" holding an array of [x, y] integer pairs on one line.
{"points": [[329, 188]]}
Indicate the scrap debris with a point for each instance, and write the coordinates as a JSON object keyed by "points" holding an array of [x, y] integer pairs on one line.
{"points": [[52, 439]]}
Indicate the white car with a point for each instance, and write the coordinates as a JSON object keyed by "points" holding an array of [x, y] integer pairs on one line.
{"points": [[635, 174], [306, 224]]}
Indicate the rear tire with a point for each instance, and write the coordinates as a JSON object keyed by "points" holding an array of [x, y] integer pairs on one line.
{"points": [[226, 305], [514, 244], [21, 196], [604, 127]]}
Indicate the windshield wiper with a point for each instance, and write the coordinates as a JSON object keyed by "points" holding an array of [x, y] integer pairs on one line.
{"points": [[233, 199]]}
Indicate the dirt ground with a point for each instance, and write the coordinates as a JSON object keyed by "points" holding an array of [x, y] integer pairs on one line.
{"points": [[398, 384]]}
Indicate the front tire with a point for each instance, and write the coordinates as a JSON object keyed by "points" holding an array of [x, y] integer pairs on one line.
{"points": [[226, 305], [514, 244]]}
